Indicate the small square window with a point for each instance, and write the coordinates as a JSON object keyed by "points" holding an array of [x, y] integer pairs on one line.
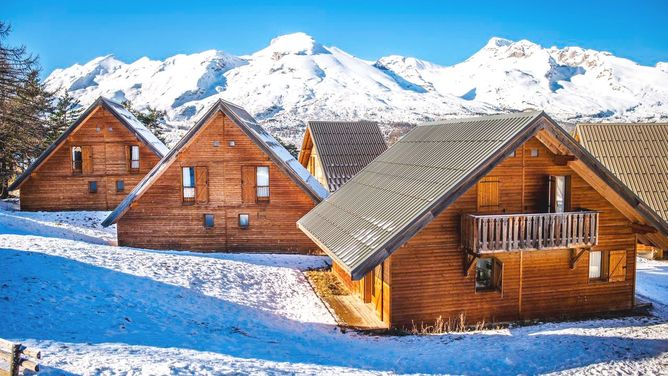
{"points": [[488, 273], [216, 144], [534, 152], [92, 187], [244, 221], [208, 220], [232, 143], [120, 185], [511, 154]]}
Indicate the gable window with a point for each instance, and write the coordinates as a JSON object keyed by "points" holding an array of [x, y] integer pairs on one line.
{"points": [[92, 187], [188, 184], [244, 221], [488, 274], [120, 186], [77, 162], [534, 152], [559, 200], [262, 183], [132, 156], [208, 220], [488, 194]]}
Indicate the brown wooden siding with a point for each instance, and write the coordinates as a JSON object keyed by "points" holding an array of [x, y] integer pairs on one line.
{"points": [[53, 186], [427, 272], [159, 219]]}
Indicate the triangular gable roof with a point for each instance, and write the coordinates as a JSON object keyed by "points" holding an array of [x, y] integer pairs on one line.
{"points": [[344, 147], [406, 187], [124, 116], [278, 154], [636, 153]]}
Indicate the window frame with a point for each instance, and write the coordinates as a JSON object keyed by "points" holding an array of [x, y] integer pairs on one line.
{"points": [[603, 267], [262, 198], [120, 183], [92, 186], [132, 160], [186, 199], [76, 170], [495, 271], [244, 227]]}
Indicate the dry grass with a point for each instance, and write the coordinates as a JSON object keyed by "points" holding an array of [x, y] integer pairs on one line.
{"points": [[325, 283], [450, 325]]}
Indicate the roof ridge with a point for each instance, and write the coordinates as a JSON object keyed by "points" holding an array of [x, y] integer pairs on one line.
{"points": [[472, 119]]}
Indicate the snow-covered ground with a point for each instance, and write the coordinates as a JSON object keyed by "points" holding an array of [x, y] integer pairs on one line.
{"points": [[93, 308]]}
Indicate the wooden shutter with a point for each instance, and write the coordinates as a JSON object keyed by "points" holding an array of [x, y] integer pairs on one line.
{"points": [[248, 184], [488, 194], [497, 274], [201, 185], [552, 194], [87, 159], [128, 157], [617, 268]]}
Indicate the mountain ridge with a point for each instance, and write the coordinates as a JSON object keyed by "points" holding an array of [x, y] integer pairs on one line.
{"points": [[296, 78]]}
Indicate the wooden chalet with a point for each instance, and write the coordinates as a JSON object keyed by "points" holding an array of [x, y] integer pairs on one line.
{"points": [[496, 218], [93, 164], [227, 185], [637, 153], [334, 151]]}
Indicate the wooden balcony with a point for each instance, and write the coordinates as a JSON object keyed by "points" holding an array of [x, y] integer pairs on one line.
{"points": [[513, 232]]}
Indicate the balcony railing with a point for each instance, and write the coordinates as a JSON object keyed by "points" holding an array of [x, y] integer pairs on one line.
{"points": [[514, 232]]}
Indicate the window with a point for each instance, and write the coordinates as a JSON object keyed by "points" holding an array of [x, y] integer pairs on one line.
{"points": [[559, 200], [595, 264], [134, 158], [488, 194], [120, 185], [188, 184], [534, 152], [77, 161], [92, 187], [488, 274], [208, 220], [511, 154], [244, 221], [262, 183]]}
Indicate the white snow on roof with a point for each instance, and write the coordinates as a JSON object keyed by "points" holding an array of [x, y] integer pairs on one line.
{"points": [[139, 127]]}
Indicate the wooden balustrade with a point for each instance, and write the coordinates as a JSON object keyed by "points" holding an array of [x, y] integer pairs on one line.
{"points": [[18, 358], [513, 232]]}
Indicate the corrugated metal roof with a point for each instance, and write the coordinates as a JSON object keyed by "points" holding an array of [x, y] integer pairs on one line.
{"points": [[124, 116], [403, 189], [345, 147], [356, 224], [283, 159], [636, 153]]}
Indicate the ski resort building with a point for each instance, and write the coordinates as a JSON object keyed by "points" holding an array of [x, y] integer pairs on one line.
{"points": [[334, 151], [227, 185], [93, 164], [637, 154], [493, 219]]}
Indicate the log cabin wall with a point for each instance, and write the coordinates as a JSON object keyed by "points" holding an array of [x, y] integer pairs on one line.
{"points": [[54, 186], [160, 219], [364, 290], [427, 272]]}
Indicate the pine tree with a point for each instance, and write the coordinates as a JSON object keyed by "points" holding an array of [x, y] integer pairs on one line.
{"points": [[152, 118], [65, 111], [24, 107]]}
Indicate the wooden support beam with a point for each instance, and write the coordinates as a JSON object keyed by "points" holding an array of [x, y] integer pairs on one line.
{"points": [[562, 160], [575, 256], [639, 228]]}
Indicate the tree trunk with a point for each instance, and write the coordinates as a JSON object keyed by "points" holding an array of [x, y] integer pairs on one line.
{"points": [[4, 193]]}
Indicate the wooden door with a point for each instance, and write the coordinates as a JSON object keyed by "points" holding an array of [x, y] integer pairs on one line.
{"points": [[248, 184], [617, 268], [201, 185], [377, 290]]}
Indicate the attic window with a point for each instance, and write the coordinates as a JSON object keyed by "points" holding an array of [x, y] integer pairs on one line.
{"points": [[534, 152], [511, 154], [216, 144]]}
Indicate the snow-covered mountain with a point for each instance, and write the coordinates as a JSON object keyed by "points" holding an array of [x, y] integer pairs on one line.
{"points": [[296, 78]]}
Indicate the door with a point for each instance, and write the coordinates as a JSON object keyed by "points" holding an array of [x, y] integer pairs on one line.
{"points": [[377, 290]]}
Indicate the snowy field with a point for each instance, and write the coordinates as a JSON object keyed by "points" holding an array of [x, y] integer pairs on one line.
{"points": [[93, 308]]}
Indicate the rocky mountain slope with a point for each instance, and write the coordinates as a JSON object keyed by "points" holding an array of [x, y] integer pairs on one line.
{"points": [[295, 79]]}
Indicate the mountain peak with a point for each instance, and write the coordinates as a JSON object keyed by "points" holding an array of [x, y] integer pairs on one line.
{"points": [[495, 42], [293, 44]]}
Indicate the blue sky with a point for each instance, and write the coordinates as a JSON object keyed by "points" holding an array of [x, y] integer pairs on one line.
{"points": [[445, 32]]}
